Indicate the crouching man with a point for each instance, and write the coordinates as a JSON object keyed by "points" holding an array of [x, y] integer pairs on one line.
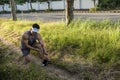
{"points": [[31, 39]]}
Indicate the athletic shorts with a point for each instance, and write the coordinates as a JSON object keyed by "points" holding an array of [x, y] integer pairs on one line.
{"points": [[25, 52]]}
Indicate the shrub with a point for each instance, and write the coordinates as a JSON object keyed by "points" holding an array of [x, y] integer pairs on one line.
{"points": [[32, 10], [93, 9], [48, 10], [18, 11]]}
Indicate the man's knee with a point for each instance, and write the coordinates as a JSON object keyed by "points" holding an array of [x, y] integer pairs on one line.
{"points": [[27, 58]]}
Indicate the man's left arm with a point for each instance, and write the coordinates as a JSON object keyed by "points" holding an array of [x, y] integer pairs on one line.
{"points": [[42, 44]]}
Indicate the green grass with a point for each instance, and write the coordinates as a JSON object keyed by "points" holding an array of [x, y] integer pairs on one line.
{"points": [[82, 41], [11, 70]]}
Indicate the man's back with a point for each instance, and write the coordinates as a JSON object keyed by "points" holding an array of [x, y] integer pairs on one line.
{"points": [[27, 36]]}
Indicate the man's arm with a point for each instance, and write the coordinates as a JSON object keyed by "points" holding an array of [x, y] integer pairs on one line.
{"points": [[42, 43], [25, 41]]}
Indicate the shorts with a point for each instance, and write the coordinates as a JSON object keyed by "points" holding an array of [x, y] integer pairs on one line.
{"points": [[25, 52]]}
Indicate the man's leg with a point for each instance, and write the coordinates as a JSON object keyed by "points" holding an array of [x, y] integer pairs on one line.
{"points": [[26, 53], [27, 59]]}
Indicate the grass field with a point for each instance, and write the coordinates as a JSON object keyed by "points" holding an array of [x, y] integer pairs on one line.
{"points": [[12, 70], [80, 44]]}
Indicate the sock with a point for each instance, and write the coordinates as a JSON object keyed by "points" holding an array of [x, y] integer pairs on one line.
{"points": [[45, 62]]}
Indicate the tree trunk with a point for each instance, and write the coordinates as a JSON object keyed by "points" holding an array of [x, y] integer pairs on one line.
{"points": [[27, 3], [30, 5], [13, 10], [16, 6], [79, 4], [38, 5], [48, 2], [3, 7], [94, 1], [64, 3], [69, 11]]}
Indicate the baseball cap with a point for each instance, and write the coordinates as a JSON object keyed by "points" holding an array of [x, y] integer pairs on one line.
{"points": [[35, 30]]}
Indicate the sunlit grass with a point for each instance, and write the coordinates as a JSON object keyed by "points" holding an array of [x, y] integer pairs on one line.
{"points": [[82, 40], [12, 70]]}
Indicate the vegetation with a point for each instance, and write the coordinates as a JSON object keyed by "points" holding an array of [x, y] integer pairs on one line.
{"points": [[88, 46], [11, 70], [93, 9], [69, 11], [13, 10], [109, 4]]}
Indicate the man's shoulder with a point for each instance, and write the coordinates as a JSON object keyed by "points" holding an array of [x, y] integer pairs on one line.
{"points": [[38, 35], [25, 34]]}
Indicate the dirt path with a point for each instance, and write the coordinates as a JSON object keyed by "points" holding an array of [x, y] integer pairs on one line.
{"points": [[51, 69]]}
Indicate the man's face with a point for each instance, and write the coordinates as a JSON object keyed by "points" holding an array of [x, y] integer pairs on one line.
{"points": [[34, 33]]}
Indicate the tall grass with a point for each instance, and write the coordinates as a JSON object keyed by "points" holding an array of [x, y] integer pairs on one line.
{"points": [[91, 41], [88, 39], [12, 70]]}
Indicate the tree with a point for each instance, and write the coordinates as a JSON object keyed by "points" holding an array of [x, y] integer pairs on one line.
{"points": [[94, 2], [48, 2], [69, 11], [19, 2], [31, 4], [3, 2], [13, 10]]}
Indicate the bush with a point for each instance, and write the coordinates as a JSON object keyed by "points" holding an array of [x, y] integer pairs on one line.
{"points": [[93, 9], [82, 41], [11, 70], [32, 10], [18, 11], [48, 10], [4, 11]]}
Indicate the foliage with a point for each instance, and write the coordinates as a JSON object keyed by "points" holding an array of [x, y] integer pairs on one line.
{"points": [[93, 9], [88, 39], [48, 10], [32, 10], [20, 1], [2, 2], [95, 43], [11, 70], [109, 4]]}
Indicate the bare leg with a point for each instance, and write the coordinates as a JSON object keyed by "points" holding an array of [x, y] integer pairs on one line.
{"points": [[27, 59]]}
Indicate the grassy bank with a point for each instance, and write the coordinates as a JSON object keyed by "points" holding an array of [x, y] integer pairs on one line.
{"points": [[11, 70], [82, 43]]}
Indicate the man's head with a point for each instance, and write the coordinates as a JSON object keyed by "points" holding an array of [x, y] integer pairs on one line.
{"points": [[35, 28]]}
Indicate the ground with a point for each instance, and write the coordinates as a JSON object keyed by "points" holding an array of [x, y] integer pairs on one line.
{"points": [[48, 17]]}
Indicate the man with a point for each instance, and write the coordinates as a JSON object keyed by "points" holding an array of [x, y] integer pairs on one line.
{"points": [[32, 40]]}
